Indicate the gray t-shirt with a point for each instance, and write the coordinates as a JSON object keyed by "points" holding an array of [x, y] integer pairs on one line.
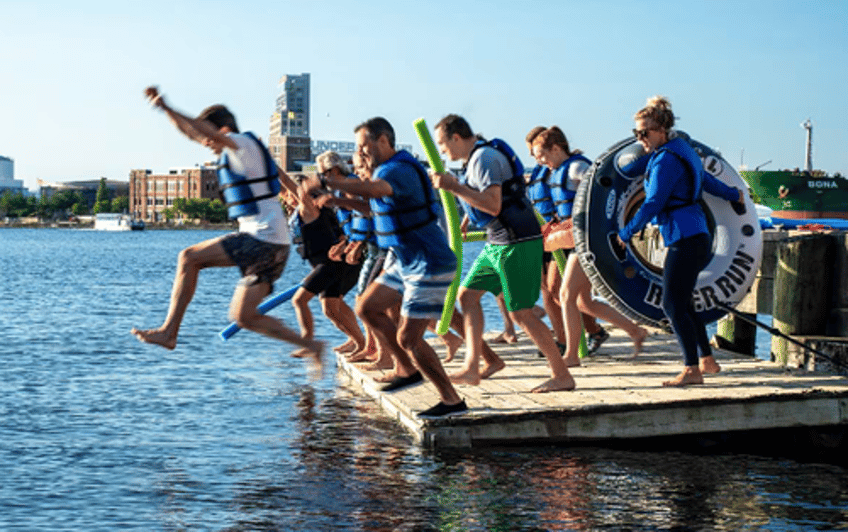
{"points": [[487, 167]]}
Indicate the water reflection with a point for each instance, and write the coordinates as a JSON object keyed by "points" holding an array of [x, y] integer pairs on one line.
{"points": [[99, 432]]}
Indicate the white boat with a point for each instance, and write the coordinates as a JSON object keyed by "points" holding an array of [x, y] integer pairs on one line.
{"points": [[116, 222]]}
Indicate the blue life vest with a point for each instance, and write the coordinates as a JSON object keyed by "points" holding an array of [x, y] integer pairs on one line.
{"points": [[361, 227], [539, 193], [392, 220], [692, 161], [239, 198], [512, 190], [345, 215], [563, 197]]}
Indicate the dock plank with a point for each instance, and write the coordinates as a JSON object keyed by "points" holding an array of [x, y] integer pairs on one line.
{"points": [[617, 396]]}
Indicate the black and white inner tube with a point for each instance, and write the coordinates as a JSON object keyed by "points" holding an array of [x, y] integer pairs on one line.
{"points": [[631, 280]]}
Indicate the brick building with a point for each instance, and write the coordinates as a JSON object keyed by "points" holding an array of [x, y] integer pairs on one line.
{"points": [[151, 193]]}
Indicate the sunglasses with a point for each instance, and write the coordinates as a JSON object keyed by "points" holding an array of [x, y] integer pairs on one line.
{"points": [[642, 133]]}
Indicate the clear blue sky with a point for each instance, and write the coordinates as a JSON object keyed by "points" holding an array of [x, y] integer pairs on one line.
{"points": [[742, 75]]}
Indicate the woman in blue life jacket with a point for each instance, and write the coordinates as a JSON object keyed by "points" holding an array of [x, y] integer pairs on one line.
{"points": [[567, 166], [674, 181]]}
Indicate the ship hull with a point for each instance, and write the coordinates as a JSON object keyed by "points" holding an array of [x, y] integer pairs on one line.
{"points": [[799, 195]]}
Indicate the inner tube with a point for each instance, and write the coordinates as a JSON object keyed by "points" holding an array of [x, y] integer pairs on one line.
{"points": [[631, 280], [263, 308], [452, 217]]}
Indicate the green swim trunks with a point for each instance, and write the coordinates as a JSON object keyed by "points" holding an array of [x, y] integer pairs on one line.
{"points": [[514, 269]]}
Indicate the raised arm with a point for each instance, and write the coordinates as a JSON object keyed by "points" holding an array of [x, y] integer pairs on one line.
{"points": [[367, 189], [199, 131]]}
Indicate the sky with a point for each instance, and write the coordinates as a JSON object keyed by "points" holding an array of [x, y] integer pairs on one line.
{"points": [[741, 75]]}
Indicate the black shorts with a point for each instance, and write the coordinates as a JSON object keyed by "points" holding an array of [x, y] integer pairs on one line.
{"points": [[259, 261], [331, 278]]}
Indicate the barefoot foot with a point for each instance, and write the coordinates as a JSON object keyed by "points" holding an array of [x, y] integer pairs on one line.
{"points": [[638, 340], [690, 375], [491, 369], [466, 376], [379, 365], [347, 347], [708, 365], [156, 337], [386, 377], [571, 362], [452, 343], [504, 338], [363, 355], [561, 384]]}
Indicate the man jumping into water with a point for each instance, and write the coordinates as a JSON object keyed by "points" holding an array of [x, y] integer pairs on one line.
{"points": [[251, 182]]}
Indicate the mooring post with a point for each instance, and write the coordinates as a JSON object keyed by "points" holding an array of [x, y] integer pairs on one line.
{"points": [[802, 293]]}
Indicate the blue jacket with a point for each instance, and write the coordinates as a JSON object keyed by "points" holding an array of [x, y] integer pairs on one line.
{"points": [[674, 181]]}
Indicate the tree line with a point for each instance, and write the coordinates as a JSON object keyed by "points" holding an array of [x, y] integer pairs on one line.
{"points": [[63, 203], [72, 202]]}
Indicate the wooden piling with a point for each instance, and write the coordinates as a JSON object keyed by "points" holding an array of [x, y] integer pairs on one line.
{"points": [[802, 292], [837, 324], [735, 334]]}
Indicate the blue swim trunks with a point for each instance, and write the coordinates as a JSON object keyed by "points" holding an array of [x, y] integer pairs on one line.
{"points": [[423, 294]]}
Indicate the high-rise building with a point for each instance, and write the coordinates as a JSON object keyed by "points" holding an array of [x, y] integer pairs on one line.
{"points": [[7, 176], [291, 114], [289, 126]]}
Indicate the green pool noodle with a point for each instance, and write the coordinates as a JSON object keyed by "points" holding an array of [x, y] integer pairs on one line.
{"points": [[474, 236], [583, 350], [452, 216]]}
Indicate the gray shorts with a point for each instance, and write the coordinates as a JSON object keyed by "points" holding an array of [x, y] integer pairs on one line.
{"points": [[259, 261]]}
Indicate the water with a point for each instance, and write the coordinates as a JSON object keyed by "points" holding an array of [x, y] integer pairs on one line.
{"points": [[100, 432]]}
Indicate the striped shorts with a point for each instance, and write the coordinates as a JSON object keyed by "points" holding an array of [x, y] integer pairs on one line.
{"points": [[423, 295]]}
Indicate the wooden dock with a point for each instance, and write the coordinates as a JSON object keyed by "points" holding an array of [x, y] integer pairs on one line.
{"points": [[617, 398]]}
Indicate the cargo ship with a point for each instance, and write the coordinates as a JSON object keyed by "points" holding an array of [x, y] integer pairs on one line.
{"points": [[800, 194]]}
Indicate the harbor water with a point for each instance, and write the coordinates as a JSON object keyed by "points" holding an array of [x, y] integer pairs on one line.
{"points": [[101, 432]]}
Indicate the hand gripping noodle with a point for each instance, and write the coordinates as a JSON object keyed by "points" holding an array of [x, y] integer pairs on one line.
{"points": [[263, 308], [631, 280], [452, 216]]}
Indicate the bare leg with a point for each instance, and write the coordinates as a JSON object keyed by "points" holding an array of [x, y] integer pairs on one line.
{"points": [[469, 301], [300, 302], [577, 297], [343, 318], [373, 311], [411, 339], [561, 379], [365, 353], [452, 343], [507, 336], [492, 363], [243, 310], [207, 254], [551, 280]]}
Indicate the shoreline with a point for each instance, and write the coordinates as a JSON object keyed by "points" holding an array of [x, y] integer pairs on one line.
{"points": [[148, 226]]}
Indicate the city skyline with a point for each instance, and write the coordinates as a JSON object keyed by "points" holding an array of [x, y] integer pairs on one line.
{"points": [[742, 76]]}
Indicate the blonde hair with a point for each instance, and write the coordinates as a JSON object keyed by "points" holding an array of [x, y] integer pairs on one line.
{"points": [[329, 160], [658, 111]]}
